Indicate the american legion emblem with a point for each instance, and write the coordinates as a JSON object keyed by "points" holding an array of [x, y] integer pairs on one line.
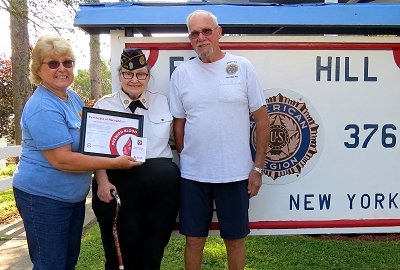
{"points": [[293, 141], [231, 69]]}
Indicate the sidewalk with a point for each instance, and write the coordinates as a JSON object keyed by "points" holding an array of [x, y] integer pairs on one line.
{"points": [[14, 253]]}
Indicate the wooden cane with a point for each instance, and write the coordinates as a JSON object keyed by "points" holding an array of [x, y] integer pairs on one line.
{"points": [[115, 232]]}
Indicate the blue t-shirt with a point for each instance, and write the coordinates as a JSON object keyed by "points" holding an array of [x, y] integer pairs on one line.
{"points": [[49, 122]]}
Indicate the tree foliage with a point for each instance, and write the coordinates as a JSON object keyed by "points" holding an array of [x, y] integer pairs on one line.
{"points": [[45, 14], [82, 80], [42, 17], [7, 127], [33, 18]]}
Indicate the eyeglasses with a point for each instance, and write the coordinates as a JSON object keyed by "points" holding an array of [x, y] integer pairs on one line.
{"points": [[140, 75], [206, 32], [53, 64]]}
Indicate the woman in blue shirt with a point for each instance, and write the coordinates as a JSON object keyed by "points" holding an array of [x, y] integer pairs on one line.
{"points": [[52, 179]]}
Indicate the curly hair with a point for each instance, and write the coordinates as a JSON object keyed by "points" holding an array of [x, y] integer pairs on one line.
{"points": [[47, 46]]}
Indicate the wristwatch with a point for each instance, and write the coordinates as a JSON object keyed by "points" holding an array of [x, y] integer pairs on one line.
{"points": [[259, 170]]}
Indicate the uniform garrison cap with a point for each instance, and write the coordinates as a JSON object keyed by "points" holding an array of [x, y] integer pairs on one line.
{"points": [[133, 58]]}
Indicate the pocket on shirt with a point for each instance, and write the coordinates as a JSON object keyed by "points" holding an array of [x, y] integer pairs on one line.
{"points": [[232, 92], [161, 124]]}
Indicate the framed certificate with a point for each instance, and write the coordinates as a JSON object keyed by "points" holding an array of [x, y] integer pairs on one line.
{"points": [[109, 133]]}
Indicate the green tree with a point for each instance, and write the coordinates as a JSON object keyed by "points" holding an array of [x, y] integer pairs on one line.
{"points": [[7, 126], [38, 15], [95, 68], [82, 80], [20, 51]]}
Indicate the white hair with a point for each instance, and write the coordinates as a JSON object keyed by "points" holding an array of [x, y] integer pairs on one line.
{"points": [[213, 17]]}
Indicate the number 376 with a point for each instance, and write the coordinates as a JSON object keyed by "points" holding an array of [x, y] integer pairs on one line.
{"points": [[364, 135]]}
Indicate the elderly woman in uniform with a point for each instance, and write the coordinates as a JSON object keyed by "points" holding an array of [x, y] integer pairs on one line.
{"points": [[148, 193], [52, 178]]}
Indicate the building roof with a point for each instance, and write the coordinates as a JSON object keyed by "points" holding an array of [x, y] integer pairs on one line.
{"points": [[242, 18]]}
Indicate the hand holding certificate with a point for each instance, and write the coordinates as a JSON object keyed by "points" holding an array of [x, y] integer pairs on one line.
{"points": [[110, 133]]}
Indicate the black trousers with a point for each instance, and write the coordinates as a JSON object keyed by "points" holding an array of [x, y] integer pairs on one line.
{"points": [[149, 206]]}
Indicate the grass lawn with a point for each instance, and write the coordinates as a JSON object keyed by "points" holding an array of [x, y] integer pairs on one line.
{"points": [[8, 210], [269, 252], [8, 171]]}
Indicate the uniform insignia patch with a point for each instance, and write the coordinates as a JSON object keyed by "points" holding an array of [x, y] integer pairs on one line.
{"points": [[232, 69]]}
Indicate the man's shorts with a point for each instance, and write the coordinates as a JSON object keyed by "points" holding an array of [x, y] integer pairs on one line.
{"points": [[231, 203]]}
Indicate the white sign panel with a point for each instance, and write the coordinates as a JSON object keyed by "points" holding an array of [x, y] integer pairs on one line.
{"points": [[332, 166]]}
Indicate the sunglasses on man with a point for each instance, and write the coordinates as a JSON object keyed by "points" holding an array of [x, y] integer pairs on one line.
{"points": [[206, 32]]}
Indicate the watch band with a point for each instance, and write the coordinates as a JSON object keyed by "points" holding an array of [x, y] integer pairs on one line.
{"points": [[259, 170]]}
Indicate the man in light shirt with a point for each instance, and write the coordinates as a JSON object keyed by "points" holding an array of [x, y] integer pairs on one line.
{"points": [[211, 97]]}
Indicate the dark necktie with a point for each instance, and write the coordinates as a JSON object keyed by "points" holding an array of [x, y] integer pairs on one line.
{"points": [[135, 104]]}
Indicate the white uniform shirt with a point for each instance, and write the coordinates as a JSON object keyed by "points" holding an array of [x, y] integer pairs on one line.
{"points": [[157, 119], [216, 99]]}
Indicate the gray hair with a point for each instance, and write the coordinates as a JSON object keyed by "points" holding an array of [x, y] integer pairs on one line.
{"points": [[213, 17]]}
